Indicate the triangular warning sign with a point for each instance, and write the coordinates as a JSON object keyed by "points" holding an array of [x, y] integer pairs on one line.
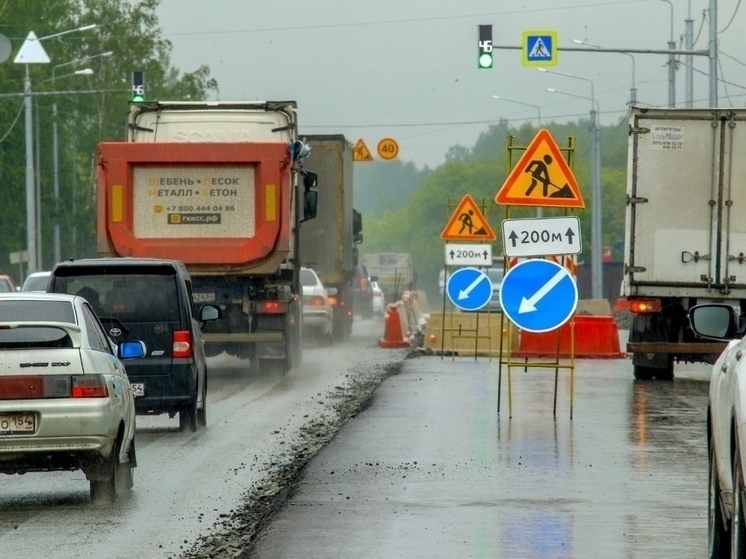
{"points": [[361, 152], [31, 51], [541, 178], [468, 224]]}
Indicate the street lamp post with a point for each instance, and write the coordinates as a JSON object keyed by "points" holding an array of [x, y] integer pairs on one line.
{"points": [[537, 107], [84, 72], [671, 63], [34, 46], [596, 224], [56, 161], [633, 89]]}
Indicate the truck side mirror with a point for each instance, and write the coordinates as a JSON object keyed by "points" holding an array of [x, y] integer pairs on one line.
{"points": [[357, 238], [310, 179], [310, 199]]}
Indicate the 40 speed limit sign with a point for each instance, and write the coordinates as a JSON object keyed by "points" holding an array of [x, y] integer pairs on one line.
{"points": [[463, 254], [541, 236]]}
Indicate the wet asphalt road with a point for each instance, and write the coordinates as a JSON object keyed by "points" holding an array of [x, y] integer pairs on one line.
{"points": [[430, 470]]}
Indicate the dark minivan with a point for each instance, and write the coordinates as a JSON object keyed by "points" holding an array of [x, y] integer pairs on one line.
{"points": [[150, 300]]}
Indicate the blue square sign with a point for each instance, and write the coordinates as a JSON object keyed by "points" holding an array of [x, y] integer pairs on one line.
{"points": [[540, 48]]}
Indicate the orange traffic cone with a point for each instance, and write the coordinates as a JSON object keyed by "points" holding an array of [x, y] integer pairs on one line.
{"points": [[392, 336]]}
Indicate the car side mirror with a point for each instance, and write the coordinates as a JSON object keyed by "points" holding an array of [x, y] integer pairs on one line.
{"points": [[208, 313], [714, 321]]}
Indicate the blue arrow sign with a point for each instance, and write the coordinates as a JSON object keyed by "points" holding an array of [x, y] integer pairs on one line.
{"points": [[538, 295], [469, 288]]}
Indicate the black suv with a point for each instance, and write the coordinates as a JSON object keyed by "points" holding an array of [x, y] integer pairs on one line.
{"points": [[150, 300]]}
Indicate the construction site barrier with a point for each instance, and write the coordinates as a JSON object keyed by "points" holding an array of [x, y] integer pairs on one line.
{"points": [[468, 334], [595, 337], [396, 327]]}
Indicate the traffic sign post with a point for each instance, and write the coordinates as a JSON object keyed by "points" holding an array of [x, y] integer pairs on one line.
{"points": [[541, 236], [469, 289], [458, 254], [538, 295]]}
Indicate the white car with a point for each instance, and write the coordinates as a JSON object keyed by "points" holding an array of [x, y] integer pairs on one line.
{"points": [[726, 427], [36, 281], [65, 400], [318, 316]]}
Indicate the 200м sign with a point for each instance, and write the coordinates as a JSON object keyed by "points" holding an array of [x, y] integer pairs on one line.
{"points": [[541, 236]]}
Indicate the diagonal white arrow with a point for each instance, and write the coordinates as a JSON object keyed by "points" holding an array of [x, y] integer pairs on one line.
{"points": [[464, 293], [529, 305]]}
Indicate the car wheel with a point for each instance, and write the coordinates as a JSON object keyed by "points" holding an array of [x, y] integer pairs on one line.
{"points": [[105, 487], [188, 416], [717, 540], [202, 412], [738, 520]]}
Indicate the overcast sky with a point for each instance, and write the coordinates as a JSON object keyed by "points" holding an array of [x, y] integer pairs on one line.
{"points": [[407, 69]]}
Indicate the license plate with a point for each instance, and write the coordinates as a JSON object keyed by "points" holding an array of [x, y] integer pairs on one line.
{"points": [[15, 423], [138, 389], [204, 297]]}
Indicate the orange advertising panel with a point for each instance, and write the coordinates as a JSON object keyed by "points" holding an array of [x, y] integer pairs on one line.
{"points": [[224, 204]]}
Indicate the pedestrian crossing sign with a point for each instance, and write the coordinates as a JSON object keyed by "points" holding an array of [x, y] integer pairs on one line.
{"points": [[468, 224], [540, 48], [541, 178], [361, 152]]}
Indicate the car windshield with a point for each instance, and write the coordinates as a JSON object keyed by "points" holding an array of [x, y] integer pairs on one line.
{"points": [[36, 283]]}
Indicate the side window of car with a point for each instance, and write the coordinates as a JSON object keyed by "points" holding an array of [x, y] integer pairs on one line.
{"points": [[96, 335]]}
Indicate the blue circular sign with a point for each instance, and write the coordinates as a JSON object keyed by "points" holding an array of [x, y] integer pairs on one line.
{"points": [[538, 295], [469, 289]]}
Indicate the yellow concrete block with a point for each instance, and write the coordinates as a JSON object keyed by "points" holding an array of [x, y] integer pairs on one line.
{"points": [[469, 333]]}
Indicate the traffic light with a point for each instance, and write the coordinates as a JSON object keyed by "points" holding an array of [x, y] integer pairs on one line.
{"points": [[138, 87], [485, 47]]}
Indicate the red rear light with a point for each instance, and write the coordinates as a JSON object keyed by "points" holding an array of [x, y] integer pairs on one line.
{"points": [[317, 301], [31, 387], [645, 306], [272, 307], [89, 386], [182, 346]]}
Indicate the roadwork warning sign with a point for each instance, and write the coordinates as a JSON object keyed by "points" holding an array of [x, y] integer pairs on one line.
{"points": [[468, 224], [541, 178], [361, 152]]}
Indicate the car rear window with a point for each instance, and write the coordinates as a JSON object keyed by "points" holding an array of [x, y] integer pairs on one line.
{"points": [[133, 297], [33, 311], [307, 278], [34, 337]]}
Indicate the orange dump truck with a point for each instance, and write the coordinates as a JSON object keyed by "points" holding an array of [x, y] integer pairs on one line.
{"points": [[216, 185]]}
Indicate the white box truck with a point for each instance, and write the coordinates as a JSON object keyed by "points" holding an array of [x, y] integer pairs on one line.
{"points": [[685, 238]]}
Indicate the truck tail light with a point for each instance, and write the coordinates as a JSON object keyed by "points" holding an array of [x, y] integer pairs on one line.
{"points": [[89, 386], [272, 307], [643, 306], [182, 344]]}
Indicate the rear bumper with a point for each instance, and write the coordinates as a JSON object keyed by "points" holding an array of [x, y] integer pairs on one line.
{"points": [[167, 393]]}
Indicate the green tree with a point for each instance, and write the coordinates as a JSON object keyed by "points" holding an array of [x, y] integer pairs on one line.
{"points": [[93, 110]]}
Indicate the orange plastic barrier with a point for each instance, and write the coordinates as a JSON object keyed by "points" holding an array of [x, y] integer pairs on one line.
{"points": [[595, 336], [393, 336]]}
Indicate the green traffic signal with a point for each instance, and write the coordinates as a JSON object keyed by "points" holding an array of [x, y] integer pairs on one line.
{"points": [[138, 99], [485, 60]]}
